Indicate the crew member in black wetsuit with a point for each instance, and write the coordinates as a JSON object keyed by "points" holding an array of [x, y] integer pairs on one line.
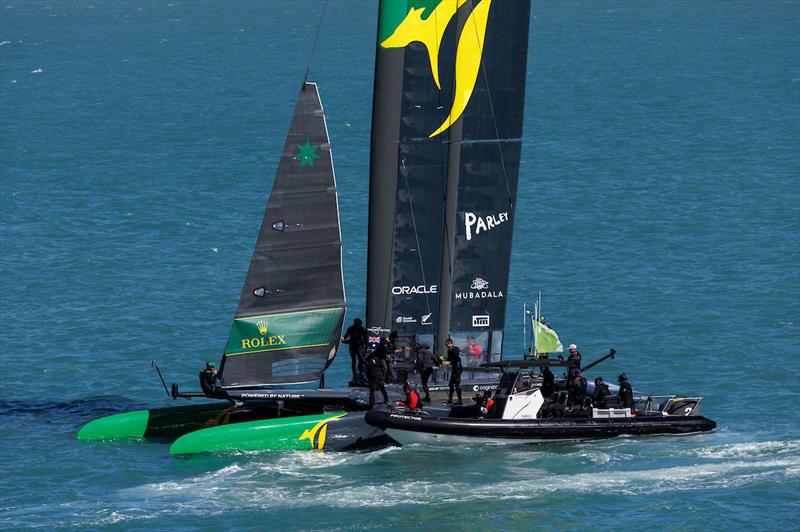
{"points": [[454, 360], [356, 337], [574, 361], [548, 382], [577, 393], [600, 392], [425, 363], [208, 380], [625, 392], [376, 369]]}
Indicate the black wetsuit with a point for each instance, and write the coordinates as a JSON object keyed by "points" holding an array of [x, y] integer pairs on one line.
{"points": [[356, 337], [548, 382], [454, 357], [376, 371], [208, 382], [425, 363], [578, 391], [626, 394], [599, 396], [574, 365]]}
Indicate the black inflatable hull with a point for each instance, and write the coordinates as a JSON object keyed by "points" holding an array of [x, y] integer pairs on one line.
{"points": [[406, 429]]}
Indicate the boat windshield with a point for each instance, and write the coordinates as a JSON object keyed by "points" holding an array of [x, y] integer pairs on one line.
{"points": [[507, 381]]}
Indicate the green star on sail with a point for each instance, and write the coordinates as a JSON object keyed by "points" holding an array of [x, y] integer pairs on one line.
{"points": [[307, 154]]}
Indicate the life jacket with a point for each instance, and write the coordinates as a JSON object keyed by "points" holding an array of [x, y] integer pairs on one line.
{"points": [[485, 409], [412, 400]]}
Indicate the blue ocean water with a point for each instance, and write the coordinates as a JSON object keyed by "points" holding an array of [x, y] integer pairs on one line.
{"points": [[658, 211]]}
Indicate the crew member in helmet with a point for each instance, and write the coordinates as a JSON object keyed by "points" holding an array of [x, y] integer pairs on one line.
{"points": [[412, 401], [208, 380], [625, 392]]}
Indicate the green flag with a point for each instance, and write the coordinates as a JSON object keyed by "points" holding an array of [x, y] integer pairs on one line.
{"points": [[545, 339]]}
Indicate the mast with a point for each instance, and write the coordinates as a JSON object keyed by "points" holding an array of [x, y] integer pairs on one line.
{"points": [[387, 95]]}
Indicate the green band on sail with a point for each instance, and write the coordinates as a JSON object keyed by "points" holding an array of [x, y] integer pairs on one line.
{"points": [[276, 332]]}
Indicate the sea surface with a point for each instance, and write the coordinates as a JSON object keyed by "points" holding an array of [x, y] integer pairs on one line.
{"points": [[658, 213]]}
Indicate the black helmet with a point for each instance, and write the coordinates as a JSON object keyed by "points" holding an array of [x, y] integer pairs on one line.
{"points": [[622, 378], [407, 386], [357, 321]]}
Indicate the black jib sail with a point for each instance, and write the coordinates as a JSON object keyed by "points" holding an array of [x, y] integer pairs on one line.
{"points": [[290, 314], [447, 122]]}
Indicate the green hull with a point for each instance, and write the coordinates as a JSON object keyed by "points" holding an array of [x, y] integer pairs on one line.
{"points": [[298, 433], [155, 423]]}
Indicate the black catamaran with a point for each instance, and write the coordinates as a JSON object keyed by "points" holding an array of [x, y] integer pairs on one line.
{"points": [[447, 120]]}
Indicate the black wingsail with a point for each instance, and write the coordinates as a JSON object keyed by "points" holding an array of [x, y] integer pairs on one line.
{"points": [[447, 122], [485, 164], [290, 314], [408, 165]]}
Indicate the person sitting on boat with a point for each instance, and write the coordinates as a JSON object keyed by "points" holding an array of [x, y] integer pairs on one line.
{"points": [[208, 380], [625, 393], [454, 361], [548, 382], [425, 364], [412, 401], [600, 392], [356, 337], [577, 392], [488, 408]]}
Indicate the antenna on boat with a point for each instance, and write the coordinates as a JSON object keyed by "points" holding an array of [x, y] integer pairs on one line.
{"points": [[524, 329], [160, 376]]}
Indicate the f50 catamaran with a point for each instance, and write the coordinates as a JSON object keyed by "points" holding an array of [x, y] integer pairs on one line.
{"points": [[447, 121]]}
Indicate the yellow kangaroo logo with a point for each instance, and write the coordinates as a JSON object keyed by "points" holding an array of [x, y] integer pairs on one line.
{"points": [[320, 430], [429, 32]]}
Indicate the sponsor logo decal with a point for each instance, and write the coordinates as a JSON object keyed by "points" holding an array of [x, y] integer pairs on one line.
{"points": [[402, 416], [474, 224], [320, 431], [481, 320], [291, 330], [429, 32], [483, 387], [408, 290], [426, 319], [268, 395], [479, 284], [405, 319], [481, 291], [307, 154]]}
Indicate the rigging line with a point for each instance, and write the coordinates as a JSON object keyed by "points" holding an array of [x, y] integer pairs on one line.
{"points": [[316, 38], [416, 234], [494, 118]]}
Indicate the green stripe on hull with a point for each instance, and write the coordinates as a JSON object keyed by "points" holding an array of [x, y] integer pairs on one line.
{"points": [[300, 433], [155, 423]]}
